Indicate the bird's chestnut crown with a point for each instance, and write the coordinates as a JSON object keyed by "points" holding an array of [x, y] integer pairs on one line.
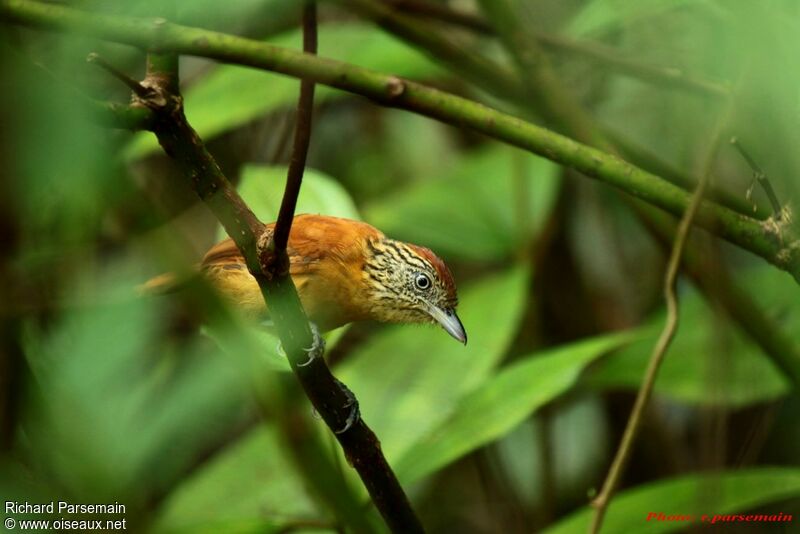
{"points": [[409, 283]]}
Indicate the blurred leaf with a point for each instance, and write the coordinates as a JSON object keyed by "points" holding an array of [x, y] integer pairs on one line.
{"points": [[408, 379], [720, 493], [698, 367], [495, 201], [372, 165], [85, 368], [232, 96], [577, 428], [114, 414], [601, 15], [266, 342], [251, 484], [61, 177], [262, 187], [502, 402]]}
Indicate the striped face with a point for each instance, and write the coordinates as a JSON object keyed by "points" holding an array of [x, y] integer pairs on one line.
{"points": [[410, 284]]}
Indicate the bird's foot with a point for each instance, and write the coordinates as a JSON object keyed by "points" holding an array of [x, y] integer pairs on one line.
{"points": [[352, 403], [315, 351], [317, 348]]}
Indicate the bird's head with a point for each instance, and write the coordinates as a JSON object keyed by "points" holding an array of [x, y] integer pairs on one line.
{"points": [[410, 284]]}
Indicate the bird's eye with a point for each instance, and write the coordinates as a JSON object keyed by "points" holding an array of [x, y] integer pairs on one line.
{"points": [[422, 281]]}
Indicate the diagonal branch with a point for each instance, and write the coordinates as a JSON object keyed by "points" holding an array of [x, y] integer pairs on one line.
{"points": [[759, 177]]}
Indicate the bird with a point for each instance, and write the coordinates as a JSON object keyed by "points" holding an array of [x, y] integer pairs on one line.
{"points": [[344, 271]]}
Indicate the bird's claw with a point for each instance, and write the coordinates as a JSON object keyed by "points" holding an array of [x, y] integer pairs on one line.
{"points": [[352, 403], [316, 349]]}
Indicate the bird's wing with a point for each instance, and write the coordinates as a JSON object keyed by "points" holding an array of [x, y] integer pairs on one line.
{"points": [[326, 255], [312, 238], [225, 255]]}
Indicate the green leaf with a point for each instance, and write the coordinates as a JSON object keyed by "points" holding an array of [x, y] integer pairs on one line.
{"points": [[409, 379], [695, 495], [502, 402], [232, 96], [700, 368], [262, 187], [119, 396], [504, 197], [252, 480]]}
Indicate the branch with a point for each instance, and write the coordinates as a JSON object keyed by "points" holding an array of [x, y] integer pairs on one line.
{"points": [[302, 137], [593, 50], [760, 177], [769, 243]]}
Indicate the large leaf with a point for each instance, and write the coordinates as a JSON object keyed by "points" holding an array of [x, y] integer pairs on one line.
{"points": [[503, 198], [699, 368], [262, 187], [233, 95], [695, 495], [117, 397], [502, 402], [251, 485], [409, 379]]}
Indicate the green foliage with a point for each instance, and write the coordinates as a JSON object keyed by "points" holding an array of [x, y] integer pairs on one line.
{"points": [[502, 402], [122, 394], [504, 199], [105, 412], [248, 488], [606, 15], [231, 96], [711, 361]]}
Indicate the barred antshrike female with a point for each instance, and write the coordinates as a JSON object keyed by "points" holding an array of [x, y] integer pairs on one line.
{"points": [[345, 271]]}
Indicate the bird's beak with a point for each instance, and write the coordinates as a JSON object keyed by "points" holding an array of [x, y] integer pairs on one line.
{"points": [[450, 322]]}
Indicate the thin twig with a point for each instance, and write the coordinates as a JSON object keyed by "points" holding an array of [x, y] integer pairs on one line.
{"points": [[302, 136], [601, 502], [134, 85], [109, 114], [360, 444], [653, 163], [761, 178]]}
